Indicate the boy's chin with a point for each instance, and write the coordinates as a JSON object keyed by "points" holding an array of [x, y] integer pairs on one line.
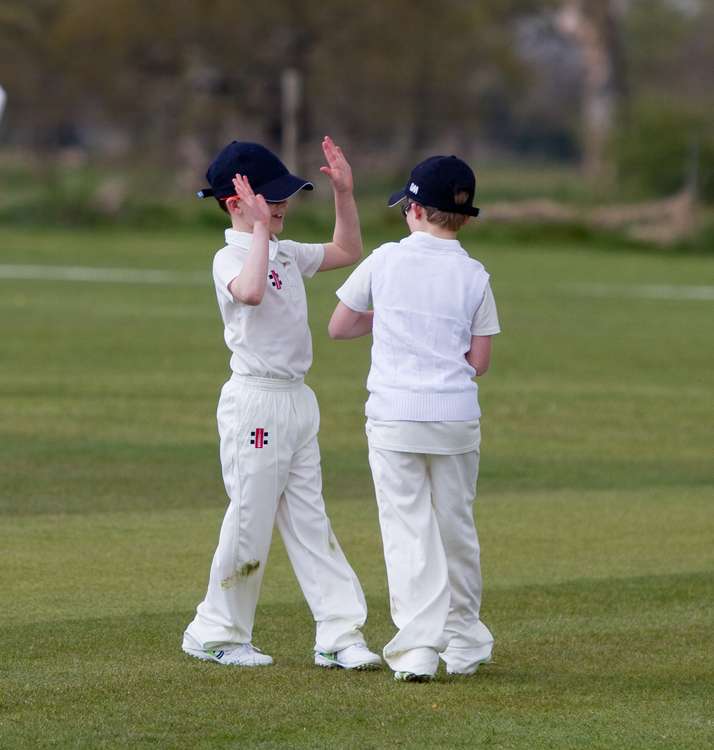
{"points": [[276, 227]]}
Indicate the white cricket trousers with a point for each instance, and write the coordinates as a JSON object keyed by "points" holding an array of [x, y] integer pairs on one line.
{"points": [[431, 551], [271, 468]]}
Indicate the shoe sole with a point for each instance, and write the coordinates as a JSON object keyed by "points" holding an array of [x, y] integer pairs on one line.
{"points": [[414, 678], [327, 664], [202, 655]]}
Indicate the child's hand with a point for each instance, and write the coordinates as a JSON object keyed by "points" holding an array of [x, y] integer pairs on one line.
{"points": [[338, 168], [254, 208]]}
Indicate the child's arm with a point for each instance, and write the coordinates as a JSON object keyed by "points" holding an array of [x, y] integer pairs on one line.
{"points": [[479, 355], [249, 286], [346, 323], [346, 246]]}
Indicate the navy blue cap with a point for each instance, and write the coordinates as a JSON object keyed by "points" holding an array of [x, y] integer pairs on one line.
{"points": [[268, 176], [435, 181]]}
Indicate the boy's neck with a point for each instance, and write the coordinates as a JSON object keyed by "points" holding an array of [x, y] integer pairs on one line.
{"points": [[436, 231], [241, 226]]}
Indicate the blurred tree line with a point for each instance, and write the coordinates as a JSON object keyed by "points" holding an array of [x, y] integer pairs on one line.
{"points": [[623, 87]]}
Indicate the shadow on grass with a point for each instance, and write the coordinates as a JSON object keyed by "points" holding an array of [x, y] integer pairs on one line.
{"points": [[579, 662]]}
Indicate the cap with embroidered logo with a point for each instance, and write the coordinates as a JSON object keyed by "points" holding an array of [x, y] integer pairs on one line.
{"points": [[435, 181], [268, 176]]}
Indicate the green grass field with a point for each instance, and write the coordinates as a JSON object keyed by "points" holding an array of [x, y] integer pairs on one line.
{"points": [[595, 510]]}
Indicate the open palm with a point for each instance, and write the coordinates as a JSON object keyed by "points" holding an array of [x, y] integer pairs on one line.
{"points": [[338, 168], [253, 207]]}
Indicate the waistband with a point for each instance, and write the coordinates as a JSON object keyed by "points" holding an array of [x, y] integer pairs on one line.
{"points": [[267, 384], [392, 405]]}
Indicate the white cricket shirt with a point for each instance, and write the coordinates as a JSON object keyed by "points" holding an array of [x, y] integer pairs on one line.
{"points": [[440, 438], [429, 298], [272, 339]]}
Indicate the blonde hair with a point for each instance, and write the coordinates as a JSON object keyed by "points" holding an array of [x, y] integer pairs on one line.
{"points": [[445, 219]]}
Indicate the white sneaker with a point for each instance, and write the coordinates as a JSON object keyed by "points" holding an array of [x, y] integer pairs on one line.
{"points": [[472, 670], [239, 655], [356, 656], [412, 677]]}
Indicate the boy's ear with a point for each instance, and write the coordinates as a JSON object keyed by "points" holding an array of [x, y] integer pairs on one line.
{"points": [[232, 204]]}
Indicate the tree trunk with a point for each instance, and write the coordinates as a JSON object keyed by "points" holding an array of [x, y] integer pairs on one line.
{"points": [[592, 24]]}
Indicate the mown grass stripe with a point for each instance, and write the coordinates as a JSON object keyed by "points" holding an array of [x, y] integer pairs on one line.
{"points": [[646, 291], [103, 275]]}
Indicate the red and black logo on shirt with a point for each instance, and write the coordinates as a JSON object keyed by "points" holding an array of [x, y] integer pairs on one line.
{"points": [[259, 437]]}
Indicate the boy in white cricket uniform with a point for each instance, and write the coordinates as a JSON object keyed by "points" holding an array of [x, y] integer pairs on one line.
{"points": [[268, 418], [432, 318]]}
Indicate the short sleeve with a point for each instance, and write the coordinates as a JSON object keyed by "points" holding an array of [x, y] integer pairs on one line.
{"points": [[308, 256], [226, 266], [356, 292], [485, 321]]}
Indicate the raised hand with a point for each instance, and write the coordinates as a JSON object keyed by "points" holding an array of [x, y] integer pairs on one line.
{"points": [[338, 168], [254, 208]]}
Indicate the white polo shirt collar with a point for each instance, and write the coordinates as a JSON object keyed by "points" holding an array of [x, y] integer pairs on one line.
{"points": [[242, 240], [426, 241]]}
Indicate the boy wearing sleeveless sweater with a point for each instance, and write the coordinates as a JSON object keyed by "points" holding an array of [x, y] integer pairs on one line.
{"points": [[432, 314]]}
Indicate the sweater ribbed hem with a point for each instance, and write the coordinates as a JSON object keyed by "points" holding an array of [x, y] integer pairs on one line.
{"points": [[423, 407]]}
